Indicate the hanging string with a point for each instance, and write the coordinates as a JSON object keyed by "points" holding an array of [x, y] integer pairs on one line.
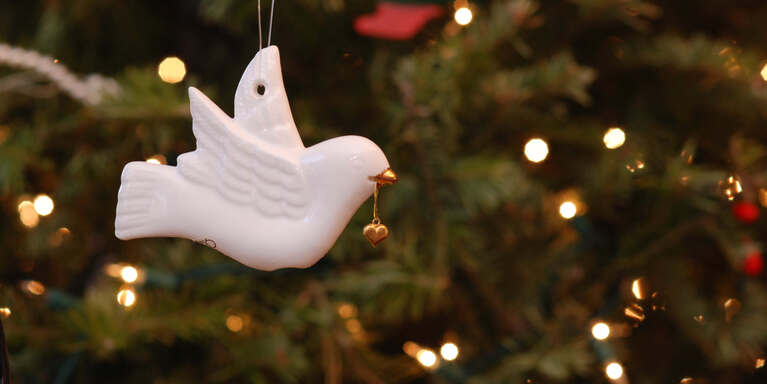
{"points": [[260, 42], [271, 19]]}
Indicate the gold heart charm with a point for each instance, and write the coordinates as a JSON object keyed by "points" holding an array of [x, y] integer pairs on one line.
{"points": [[375, 233]]}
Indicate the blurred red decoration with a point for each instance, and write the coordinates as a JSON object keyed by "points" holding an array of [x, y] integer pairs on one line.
{"points": [[745, 212], [753, 264], [394, 21]]}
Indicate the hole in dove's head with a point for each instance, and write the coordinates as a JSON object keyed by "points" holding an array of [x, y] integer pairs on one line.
{"points": [[260, 89]]}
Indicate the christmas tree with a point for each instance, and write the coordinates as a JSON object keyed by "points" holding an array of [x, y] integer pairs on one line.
{"points": [[580, 196]]}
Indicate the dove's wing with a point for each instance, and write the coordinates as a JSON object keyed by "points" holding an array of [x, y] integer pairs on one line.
{"points": [[242, 168]]}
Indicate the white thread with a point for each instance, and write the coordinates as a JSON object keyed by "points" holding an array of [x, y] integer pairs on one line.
{"points": [[271, 20], [260, 44], [89, 90]]}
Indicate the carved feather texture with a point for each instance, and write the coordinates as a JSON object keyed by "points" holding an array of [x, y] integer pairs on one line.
{"points": [[242, 168]]}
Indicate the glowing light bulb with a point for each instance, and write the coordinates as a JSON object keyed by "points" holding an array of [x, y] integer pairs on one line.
{"points": [[157, 159], [234, 323], [347, 310], [614, 371], [449, 351], [600, 331], [463, 16], [636, 289], [171, 70], [33, 287], [27, 214], [43, 205], [568, 210], [614, 138], [536, 150], [129, 274], [426, 357], [6, 313], [126, 297]]}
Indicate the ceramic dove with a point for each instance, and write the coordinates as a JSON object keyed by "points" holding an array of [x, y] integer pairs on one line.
{"points": [[251, 189]]}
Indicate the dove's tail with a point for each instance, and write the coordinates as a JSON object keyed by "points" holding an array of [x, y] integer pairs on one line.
{"points": [[141, 202]]}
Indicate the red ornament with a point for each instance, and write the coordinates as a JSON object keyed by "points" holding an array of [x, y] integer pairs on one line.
{"points": [[745, 212], [753, 264], [394, 21]]}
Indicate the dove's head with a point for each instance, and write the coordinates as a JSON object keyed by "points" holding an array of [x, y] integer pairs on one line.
{"points": [[349, 168]]}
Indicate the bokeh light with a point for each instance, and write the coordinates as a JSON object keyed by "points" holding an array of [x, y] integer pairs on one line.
{"points": [[171, 70], [427, 358], [614, 138], [27, 214], [5, 312], [43, 205], [234, 323], [568, 209], [600, 331], [637, 289], [463, 16], [449, 351], [33, 287], [129, 274], [126, 297], [536, 150], [764, 72], [614, 371], [157, 159]]}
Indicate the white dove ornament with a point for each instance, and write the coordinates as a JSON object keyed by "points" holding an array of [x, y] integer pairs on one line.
{"points": [[251, 189]]}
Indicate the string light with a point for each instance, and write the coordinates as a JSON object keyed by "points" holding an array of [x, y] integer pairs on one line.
{"points": [[614, 371], [600, 331], [129, 274], [126, 297], [635, 311], [731, 187], [354, 326], [33, 287], [59, 236], [171, 70], [43, 205], [759, 363], [764, 72], [614, 138], [636, 289], [449, 351], [157, 159], [347, 310], [463, 16], [536, 150], [27, 214], [568, 209], [426, 357], [5, 312], [234, 323]]}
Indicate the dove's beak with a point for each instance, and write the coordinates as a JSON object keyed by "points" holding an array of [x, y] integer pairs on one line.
{"points": [[387, 177]]}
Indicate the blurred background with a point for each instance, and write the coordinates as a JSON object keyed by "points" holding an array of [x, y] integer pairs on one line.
{"points": [[581, 195]]}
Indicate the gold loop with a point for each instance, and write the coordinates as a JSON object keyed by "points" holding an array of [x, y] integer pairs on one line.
{"points": [[376, 221]]}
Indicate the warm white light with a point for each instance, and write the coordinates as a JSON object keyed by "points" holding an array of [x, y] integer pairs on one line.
{"points": [[157, 159], [636, 289], [129, 274], [43, 205], [171, 70], [27, 214], [126, 297], [600, 331], [449, 351], [614, 138], [426, 357], [234, 323], [6, 313], [764, 72], [536, 150], [568, 210], [614, 371], [463, 16]]}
